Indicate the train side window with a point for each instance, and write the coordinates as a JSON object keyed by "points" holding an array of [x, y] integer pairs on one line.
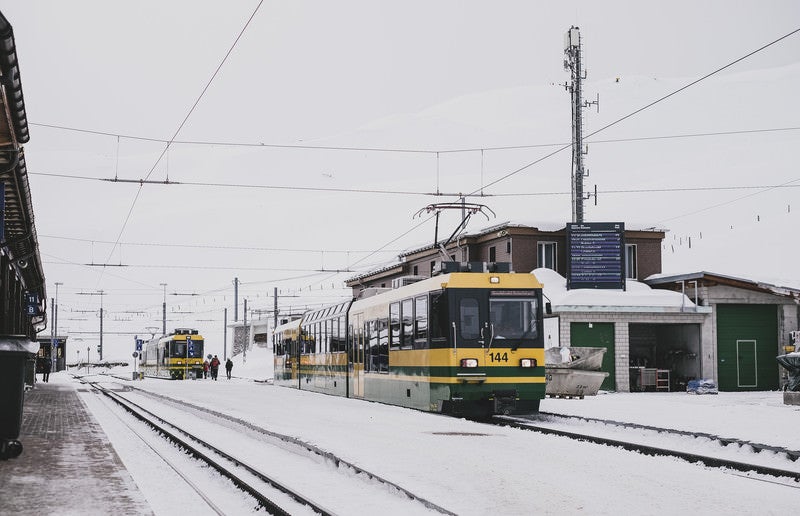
{"points": [[421, 322], [333, 336], [439, 324], [407, 331], [371, 355], [325, 346], [469, 318], [333, 329], [394, 325], [342, 334], [383, 346], [351, 341]]}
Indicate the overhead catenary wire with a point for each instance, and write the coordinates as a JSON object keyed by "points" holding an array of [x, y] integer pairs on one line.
{"points": [[619, 120], [183, 122], [637, 111], [420, 194], [406, 150]]}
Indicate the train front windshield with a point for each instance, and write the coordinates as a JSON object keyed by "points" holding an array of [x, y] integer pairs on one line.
{"points": [[513, 318], [178, 349], [482, 317]]}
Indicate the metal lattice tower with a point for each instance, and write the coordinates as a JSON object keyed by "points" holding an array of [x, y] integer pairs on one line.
{"points": [[572, 61]]}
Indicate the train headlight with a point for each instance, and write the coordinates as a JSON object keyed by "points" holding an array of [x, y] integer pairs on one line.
{"points": [[469, 362], [179, 362], [528, 362], [494, 279]]}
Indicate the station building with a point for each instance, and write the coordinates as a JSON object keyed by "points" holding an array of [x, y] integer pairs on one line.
{"points": [[659, 332]]}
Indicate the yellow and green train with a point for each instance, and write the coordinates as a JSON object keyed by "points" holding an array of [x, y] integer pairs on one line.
{"points": [[177, 356], [462, 343]]}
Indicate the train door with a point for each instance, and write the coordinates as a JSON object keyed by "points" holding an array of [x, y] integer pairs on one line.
{"points": [[469, 319], [356, 365]]}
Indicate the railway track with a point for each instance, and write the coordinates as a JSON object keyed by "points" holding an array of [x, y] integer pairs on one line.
{"points": [[228, 466], [792, 455], [545, 423], [232, 467]]}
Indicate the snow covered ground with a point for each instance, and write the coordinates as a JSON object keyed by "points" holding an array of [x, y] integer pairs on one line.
{"points": [[471, 468]]}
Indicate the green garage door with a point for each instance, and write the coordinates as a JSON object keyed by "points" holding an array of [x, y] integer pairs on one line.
{"points": [[598, 335], [747, 344]]}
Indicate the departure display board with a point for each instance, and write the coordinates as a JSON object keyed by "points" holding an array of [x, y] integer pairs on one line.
{"points": [[596, 255]]}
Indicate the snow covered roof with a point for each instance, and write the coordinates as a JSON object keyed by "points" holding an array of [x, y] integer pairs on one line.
{"points": [[637, 297], [663, 279]]}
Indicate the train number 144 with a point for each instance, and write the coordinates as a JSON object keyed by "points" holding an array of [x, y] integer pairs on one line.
{"points": [[499, 357]]}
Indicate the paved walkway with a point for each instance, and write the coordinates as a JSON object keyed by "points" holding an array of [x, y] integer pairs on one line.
{"points": [[67, 465]]}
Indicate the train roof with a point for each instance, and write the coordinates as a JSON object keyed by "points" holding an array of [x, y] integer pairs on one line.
{"points": [[501, 280]]}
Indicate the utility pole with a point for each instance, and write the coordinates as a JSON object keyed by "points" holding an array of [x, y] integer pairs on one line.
{"points": [[54, 356], [225, 334], [100, 348], [246, 334], [164, 311], [573, 63], [235, 299], [275, 307]]}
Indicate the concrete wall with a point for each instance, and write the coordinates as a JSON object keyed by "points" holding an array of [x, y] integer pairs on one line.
{"points": [[621, 320], [787, 314]]}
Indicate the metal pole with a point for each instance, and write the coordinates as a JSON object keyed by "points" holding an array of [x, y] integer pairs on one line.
{"points": [[100, 350], [235, 299], [275, 309], [87, 358], [52, 331], [164, 311], [246, 334], [54, 364], [225, 334]]}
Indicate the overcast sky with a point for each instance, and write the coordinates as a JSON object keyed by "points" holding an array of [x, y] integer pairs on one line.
{"points": [[416, 76]]}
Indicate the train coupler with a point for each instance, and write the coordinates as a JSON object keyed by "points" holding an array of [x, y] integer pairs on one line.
{"points": [[505, 402]]}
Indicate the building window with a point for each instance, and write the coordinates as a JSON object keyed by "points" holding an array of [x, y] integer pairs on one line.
{"points": [[547, 255], [631, 268], [493, 254], [508, 247], [416, 270], [433, 267]]}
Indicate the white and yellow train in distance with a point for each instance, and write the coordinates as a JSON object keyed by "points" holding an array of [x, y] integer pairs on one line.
{"points": [[177, 356], [461, 343]]}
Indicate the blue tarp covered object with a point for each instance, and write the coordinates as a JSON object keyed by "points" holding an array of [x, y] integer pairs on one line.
{"points": [[701, 387]]}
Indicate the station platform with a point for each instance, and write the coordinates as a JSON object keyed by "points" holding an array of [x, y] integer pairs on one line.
{"points": [[67, 465]]}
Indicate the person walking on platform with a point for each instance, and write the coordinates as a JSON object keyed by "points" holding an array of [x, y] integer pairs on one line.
{"points": [[228, 367], [46, 366], [214, 367], [205, 368]]}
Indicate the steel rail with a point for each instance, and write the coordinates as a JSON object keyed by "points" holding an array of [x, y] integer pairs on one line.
{"points": [[151, 419], [792, 455], [649, 450], [335, 459]]}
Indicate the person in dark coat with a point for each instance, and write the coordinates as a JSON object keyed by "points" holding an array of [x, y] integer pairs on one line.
{"points": [[214, 367], [228, 367], [46, 366]]}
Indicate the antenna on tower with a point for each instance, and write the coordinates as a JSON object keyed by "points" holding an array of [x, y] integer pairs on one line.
{"points": [[573, 58]]}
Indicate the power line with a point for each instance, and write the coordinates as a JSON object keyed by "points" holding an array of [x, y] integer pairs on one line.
{"points": [[225, 247], [417, 151], [633, 113], [401, 192], [183, 122]]}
